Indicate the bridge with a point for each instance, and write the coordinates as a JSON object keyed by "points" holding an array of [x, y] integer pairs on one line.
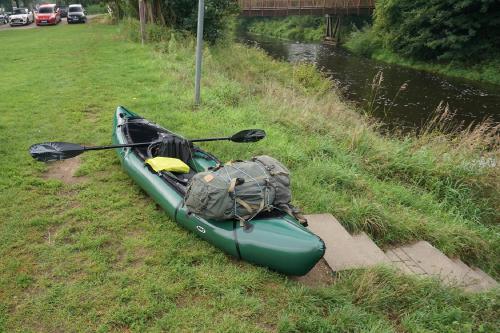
{"points": [[333, 10], [305, 7]]}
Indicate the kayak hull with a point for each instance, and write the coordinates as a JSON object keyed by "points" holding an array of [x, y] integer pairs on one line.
{"points": [[280, 243]]}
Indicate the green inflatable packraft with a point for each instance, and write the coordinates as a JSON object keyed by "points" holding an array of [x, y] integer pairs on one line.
{"points": [[273, 239]]}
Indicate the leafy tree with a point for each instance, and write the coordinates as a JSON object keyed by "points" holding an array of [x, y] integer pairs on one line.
{"points": [[6, 4], [181, 14], [185, 16], [439, 29]]}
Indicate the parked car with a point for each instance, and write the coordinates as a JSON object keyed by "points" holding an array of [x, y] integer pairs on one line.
{"points": [[63, 11], [21, 16], [7, 15], [4, 19], [48, 14], [76, 14]]}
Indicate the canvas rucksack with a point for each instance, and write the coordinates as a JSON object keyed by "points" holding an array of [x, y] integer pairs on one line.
{"points": [[279, 178], [240, 190]]}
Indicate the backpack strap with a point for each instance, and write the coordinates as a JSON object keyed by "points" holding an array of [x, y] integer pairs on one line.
{"points": [[295, 212], [252, 210]]}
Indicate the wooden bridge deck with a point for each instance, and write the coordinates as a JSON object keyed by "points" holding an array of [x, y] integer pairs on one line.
{"points": [[305, 7]]}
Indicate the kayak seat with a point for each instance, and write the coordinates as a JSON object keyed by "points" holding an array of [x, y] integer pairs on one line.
{"points": [[169, 145], [164, 144]]}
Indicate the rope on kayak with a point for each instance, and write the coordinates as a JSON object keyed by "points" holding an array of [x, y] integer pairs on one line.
{"points": [[252, 209]]}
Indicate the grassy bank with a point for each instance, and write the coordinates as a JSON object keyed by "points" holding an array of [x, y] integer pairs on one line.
{"points": [[366, 43], [98, 256], [296, 28]]}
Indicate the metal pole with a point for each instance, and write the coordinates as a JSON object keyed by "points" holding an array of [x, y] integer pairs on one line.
{"points": [[142, 19], [199, 51]]}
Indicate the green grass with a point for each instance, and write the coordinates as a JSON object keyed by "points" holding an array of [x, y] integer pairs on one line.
{"points": [[99, 256]]}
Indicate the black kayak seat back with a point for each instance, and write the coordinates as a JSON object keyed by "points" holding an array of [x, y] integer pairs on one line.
{"points": [[165, 144], [169, 145]]}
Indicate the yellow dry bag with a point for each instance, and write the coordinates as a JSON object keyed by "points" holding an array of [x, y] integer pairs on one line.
{"points": [[167, 164]]}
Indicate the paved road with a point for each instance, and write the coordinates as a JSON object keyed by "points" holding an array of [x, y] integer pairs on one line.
{"points": [[34, 26]]}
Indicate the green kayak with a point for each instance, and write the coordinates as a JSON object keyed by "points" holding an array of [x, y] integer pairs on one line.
{"points": [[273, 239]]}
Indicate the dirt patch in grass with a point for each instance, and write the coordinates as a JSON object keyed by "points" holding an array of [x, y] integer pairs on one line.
{"points": [[319, 275], [190, 300], [91, 112], [65, 171]]}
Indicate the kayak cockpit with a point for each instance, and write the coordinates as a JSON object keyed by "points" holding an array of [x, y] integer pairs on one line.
{"points": [[168, 144]]}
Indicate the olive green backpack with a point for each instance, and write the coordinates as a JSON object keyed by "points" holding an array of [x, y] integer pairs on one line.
{"points": [[240, 190]]}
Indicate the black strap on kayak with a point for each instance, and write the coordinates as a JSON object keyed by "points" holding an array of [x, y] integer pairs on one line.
{"points": [[236, 243]]}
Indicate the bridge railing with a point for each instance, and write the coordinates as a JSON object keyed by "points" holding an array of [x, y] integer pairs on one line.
{"points": [[246, 5]]}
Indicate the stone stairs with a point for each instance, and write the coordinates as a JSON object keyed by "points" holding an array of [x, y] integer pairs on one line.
{"points": [[345, 251]]}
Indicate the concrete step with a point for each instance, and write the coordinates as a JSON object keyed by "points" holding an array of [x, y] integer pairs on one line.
{"points": [[342, 250], [471, 280], [421, 258], [424, 259], [486, 282], [369, 249]]}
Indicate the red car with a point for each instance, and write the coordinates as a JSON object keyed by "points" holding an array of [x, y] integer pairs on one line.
{"points": [[48, 14]]}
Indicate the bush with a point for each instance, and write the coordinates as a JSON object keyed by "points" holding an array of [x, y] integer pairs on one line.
{"points": [[96, 9], [439, 29], [309, 28], [217, 15], [308, 78], [364, 42], [182, 15]]}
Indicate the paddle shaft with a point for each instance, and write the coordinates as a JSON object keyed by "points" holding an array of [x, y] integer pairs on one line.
{"points": [[211, 139], [118, 146], [141, 144], [52, 151]]}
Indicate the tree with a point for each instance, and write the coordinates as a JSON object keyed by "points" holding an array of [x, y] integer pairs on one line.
{"points": [[6, 4], [439, 29], [181, 14]]}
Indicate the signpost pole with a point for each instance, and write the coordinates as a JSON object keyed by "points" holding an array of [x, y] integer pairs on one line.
{"points": [[199, 51], [142, 20]]}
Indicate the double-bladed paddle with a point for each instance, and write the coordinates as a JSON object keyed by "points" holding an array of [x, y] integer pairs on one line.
{"points": [[54, 151]]}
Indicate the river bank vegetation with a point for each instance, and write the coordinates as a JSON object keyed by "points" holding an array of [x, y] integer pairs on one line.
{"points": [[298, 28], [458, 39], [295, 28], [97, 255], [454, 38]]}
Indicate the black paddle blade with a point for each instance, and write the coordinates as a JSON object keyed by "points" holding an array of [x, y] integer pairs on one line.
{"points": [[250, 135], [55, 151]]}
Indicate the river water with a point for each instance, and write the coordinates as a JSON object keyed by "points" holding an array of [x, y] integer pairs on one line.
{"points": [[407, 109]]}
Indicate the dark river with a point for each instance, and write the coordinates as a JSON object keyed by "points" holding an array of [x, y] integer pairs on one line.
{"points": [[470, 101]]}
